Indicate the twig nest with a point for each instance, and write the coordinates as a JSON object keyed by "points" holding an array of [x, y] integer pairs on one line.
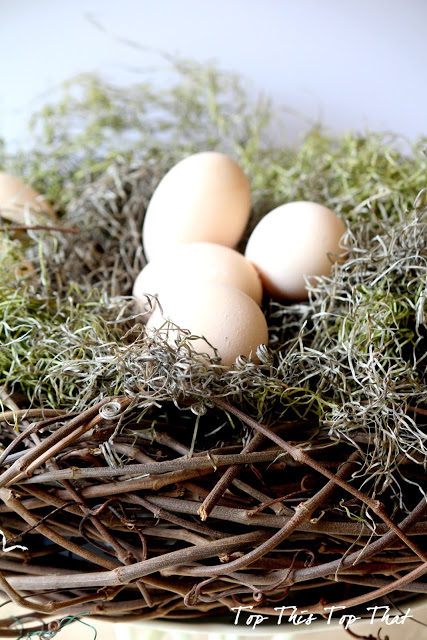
{"points": [[223, 318], [197, 262], [293, 242], [204, 198]]}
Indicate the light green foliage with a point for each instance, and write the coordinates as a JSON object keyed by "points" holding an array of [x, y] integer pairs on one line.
{"points": [[352, 358]]}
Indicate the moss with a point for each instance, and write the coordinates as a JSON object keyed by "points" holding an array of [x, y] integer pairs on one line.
{"points": [[351, 358]]}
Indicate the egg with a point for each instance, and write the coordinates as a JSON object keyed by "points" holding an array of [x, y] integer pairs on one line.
{"points": [[228, 318], [197, 262], [147, 284], [294, 241], [204, 198], [21, 204]]}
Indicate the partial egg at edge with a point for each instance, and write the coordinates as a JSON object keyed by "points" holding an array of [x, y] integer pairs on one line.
{"points": [[22, 204]]}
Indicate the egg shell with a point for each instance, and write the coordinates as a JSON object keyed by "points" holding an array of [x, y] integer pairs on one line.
{"points": [[21, 204], [147, 284], [197, 262], [228, 318], [204, 198], [295, 240]]}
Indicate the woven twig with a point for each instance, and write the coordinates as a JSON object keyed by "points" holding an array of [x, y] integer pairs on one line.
{"points": [[141, 548]]}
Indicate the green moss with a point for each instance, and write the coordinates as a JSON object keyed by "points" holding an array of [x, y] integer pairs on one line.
{"points": [[351, 358]]}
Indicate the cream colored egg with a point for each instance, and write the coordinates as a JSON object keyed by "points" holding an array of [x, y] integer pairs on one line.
{"points": [[204, 198], [228, 318], [146, 285], [296, 240], [21, 204], [197, 262]]}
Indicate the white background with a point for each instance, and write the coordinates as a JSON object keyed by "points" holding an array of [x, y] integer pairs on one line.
{"points": [[350, 63]]}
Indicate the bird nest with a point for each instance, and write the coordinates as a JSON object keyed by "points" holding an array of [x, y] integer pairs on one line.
{"points": [[140, 479]]}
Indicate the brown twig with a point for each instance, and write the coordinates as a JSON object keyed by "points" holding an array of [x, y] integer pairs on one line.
{"points": [[39, 227], [227, 478], [303, 458], [19, 468], [113, 508]]}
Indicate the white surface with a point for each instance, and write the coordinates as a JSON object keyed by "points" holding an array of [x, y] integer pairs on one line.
{"points": [[351, 64], [197, 630], [318, 630]]}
